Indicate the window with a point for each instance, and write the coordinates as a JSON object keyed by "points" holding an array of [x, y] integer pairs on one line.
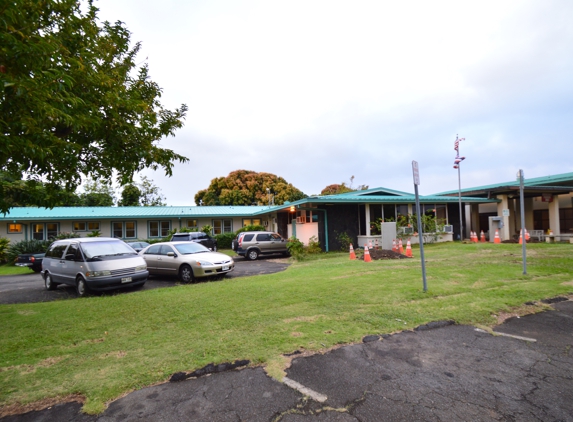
{"points": [[14, 228], [222, 226], [251, 221], [192, 224], [82, 226], [44, 231], [123, 229], [159, 228]]}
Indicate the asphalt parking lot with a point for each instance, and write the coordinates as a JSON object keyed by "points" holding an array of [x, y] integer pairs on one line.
{"points": [[29, 288], [522, 371]]}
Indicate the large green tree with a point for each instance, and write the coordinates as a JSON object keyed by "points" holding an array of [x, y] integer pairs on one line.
{"points": [[246, 187], [73, 102], [144, 193]]}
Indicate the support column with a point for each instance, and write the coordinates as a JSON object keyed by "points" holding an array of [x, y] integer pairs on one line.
{"points": [[367, 217], [528, 213], [554, 215], [474, 217], [504, 232]]}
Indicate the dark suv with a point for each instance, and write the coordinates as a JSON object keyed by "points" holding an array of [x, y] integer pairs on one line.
{"points": [[197, 237], [252, 244]]}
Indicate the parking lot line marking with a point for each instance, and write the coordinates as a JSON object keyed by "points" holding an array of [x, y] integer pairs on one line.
{"points": [[532, 340], [321, 398]]}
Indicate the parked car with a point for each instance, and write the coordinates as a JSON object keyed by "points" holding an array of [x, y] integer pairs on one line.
{"points": [[253, 244], [31, 260], [197, 237], [93, 263], [187, 260], [138, 246]]}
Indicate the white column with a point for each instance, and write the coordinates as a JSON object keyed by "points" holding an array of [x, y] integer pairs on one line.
{"points": [[554, 215], [504, 233], [367, 212]]}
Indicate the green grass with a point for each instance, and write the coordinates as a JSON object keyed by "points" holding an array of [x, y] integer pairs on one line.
{"points": [[8, 269], [102, 347]]}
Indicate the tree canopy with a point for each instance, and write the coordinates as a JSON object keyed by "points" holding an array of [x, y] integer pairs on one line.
{"points": [[246, 187], [73, 102], [144, 193], [336, 188]]}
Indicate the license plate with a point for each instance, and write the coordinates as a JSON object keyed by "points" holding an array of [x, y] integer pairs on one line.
{"points": [[126, 279], [225, 268]]}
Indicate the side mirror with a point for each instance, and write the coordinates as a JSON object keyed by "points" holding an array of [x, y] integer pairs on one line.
{"points": [[171, 254]]}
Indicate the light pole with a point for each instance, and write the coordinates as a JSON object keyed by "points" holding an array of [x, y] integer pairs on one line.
{"points": [[457, 164]]}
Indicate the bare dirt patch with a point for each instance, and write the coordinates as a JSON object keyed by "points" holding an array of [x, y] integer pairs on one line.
{"points": [[383, 254]]}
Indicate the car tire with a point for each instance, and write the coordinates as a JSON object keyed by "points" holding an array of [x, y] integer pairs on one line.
{"points": [[186, 274], [48, 282], [252, 254], [36, 269], [81, 287]]}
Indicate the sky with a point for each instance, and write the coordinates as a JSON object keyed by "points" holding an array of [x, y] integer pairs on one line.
{"points": [[319, 91]]}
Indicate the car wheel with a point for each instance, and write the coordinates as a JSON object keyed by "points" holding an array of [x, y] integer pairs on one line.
{"points": [[81, 287], [48, 283], [252, 255], [186, 274]]}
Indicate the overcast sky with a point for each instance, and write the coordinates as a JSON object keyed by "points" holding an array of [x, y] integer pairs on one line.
{"points": [[319, 91]]}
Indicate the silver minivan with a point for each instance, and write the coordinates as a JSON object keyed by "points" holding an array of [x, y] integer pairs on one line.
{"points": [[93, 263]]}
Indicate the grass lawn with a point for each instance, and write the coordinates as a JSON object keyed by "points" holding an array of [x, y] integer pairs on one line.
{"points": [[8, 269], [102, 347]]}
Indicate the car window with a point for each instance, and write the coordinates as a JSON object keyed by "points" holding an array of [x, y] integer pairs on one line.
{"points": [[189, 248], [153, 250], [106, 248], [72, 252], [165, 249], [248, 237], [275, 236], [56, 250], [263, 237]]}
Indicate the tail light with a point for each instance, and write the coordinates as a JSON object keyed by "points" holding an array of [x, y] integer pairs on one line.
{"points": [[32, 259]]}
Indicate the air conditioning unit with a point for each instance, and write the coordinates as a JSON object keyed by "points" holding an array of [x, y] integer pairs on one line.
{"points": [[300, 220], [408, 230], [449, 229]]}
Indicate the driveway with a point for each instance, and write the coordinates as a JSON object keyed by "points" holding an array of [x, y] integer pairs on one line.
{"points": [[438, 372], [29, 288]]}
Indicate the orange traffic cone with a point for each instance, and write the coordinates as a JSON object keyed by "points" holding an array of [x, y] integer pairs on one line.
{"points": [[476, 238], [352, 254], [408, 249], [527, 237], [400, 247], [394, 247], [366, 255], [482, 237], [521, 237], [496, 239]]}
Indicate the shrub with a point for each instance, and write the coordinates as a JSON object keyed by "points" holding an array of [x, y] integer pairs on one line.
{"points": [[296, 248], [26, 246], [224, 240], [3, 248], [344, 240], [313, 246], [65, 235], [251, 228]]}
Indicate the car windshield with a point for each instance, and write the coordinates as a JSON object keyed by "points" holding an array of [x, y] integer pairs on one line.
{"points": [[189, 248], [106, 248]]}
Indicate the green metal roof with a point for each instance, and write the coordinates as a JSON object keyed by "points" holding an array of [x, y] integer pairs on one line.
{"points": [[371, 192], [557, 181], [91, 213]]}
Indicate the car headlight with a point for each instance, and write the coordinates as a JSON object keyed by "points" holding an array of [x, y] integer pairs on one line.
{"points": [[141, 268], [98, 273], [204, 263]]}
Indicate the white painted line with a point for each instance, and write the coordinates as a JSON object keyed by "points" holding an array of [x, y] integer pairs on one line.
{"points": [[321, 398], [532, 340]]}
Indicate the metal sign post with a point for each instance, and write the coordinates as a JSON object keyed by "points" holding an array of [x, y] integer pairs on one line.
{"points": [[522, 206], [416, 174]]}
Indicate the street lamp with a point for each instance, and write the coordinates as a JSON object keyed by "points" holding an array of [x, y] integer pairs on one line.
{"points": [[457, 164]]}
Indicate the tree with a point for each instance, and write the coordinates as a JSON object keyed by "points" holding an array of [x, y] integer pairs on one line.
{"points": [[246, 187], [97, 193], [150, 194], [73, 102], [336, 189], [130, 196]]}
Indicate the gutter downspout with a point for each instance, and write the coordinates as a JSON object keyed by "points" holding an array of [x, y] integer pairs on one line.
{"points": [[325, 224]]}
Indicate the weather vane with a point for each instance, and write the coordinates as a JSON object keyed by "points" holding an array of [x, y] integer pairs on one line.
{"points": [[458, 159]]}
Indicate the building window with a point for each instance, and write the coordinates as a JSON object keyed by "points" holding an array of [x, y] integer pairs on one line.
{"points": [[93, 226], [222, 226], [44, 231], [82, 226], [192, 224], [14, 228], [251, 221], [159, 228], [123, 229]]}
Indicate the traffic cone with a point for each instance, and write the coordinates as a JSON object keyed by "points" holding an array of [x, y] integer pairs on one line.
{"points": [[527, 237], [377, 246], [482, 238], [352, 254], [521, 237], [366, 255], [496, 239], [475, 239], [400, 247], [370, 244], [408, 249], [394, 248]]}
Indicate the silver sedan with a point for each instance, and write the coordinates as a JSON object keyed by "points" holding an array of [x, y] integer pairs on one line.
{"points": [[187, 260]]}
